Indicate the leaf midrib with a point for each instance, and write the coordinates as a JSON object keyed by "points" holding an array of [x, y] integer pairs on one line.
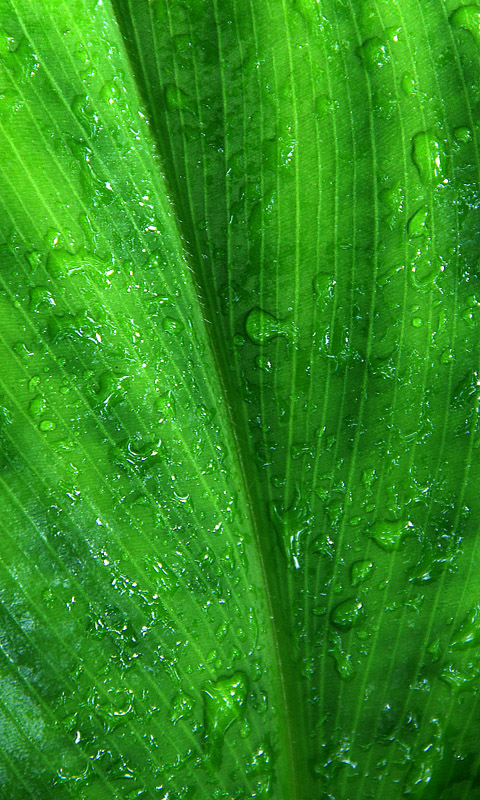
{"points": [[293, 776]]}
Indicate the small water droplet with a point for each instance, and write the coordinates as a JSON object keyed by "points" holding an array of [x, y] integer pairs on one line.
{"points": [[343, 660], [263, 363], [323, 106], [40, 296], [33, 383]]}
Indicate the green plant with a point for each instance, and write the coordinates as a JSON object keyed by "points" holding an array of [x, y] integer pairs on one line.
{"points": [[239, 395]]}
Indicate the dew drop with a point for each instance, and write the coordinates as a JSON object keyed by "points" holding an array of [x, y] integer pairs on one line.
{"points": [[447, 356], [323, 106], [40, 296]]}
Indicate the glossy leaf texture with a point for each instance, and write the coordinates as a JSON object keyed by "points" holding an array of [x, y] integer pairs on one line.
{"points": [[239, 331]]}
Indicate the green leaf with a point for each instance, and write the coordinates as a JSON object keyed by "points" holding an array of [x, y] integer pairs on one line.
{"points": [[239, 331]]}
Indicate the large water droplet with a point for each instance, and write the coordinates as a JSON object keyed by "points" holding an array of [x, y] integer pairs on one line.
{"points": [[467, 17], [426, 156], [389, 534], [469, 633], [374, 53], [224, 701], [181, 707], [348, 614], [261, 327], [361, 571], [418, 222]]}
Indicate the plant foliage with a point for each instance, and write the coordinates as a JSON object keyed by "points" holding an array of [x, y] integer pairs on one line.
{"points": [[239, 391]]}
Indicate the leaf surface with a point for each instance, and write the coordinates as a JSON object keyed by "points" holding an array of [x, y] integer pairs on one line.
{"points": [[239, 399]]}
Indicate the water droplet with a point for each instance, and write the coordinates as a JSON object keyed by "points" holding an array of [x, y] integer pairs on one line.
{"points": [[261, 327], [204, 414], [263, 363], [323, 106], [418, 222], [176, 99], [469, 633], [172, 325], [426, 266], [47, 425], [165, 405], [467, 17], [33, 383], [408, 85], [374, 53], [447, 356], [417, 322], [35, 259], [40, 296], [294, 527], [223, 701], [389, 534], [393, 199], [361, 571], [460, 679], [324, 285], [426, 156], [37, 406], [343, 660], [181, 707], [221, 631], [462, 134], [348, 614]]}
